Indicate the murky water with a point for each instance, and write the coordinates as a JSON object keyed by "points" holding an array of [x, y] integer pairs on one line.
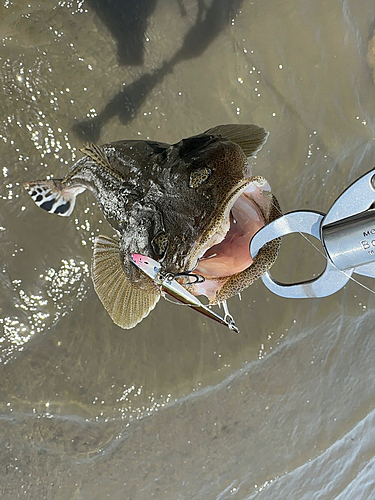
{"points": [[179, 407]]}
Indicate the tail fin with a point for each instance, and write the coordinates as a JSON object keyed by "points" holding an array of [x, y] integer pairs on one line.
{"points": [[53, 196]]}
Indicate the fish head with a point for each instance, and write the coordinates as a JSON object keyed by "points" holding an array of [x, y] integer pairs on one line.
{"points": [[208, 207], [207, 173]]}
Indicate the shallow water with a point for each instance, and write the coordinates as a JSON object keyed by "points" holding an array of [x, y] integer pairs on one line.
{"points": [[179, 407]]}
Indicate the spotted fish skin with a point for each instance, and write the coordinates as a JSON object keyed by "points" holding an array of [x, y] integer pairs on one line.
{"points": [[53, 197]]}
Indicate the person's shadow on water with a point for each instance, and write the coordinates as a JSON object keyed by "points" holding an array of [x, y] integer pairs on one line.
{"points": [[127, 21]]}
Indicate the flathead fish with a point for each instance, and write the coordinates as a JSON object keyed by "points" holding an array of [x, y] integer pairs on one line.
{"points": [[192, 206]]}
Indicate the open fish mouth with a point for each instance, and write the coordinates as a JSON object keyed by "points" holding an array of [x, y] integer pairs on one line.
{"points": [[227, 253]]}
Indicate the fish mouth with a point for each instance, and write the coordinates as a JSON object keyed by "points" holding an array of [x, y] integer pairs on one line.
{"points": [[226, 253]]}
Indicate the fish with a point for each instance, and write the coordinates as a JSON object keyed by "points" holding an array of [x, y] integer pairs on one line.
{"points": [[192, 206]]}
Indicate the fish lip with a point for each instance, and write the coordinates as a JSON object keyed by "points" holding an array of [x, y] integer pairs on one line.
{"points": [[200, 248]]}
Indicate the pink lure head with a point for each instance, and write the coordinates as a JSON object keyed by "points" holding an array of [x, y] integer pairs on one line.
{"points": [[149, 266], [138, 259]]}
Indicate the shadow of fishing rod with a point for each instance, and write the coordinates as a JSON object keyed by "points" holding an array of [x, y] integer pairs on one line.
{"points": [[126, 103]]}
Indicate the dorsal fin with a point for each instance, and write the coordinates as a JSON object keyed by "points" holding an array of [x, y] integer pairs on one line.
{"points": [[126, 304], [249, 137], [96, 153]]}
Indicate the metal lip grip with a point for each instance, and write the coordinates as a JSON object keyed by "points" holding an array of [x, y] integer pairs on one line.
{"points": [[347, 233], [348, 229]]}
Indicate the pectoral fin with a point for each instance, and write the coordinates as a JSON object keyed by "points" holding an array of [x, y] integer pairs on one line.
{"points": [[249, 137], [126, 304]]}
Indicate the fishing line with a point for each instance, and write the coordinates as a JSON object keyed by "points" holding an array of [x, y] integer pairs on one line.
{"points": [[292, 225], [314, 246], [165, 297]]}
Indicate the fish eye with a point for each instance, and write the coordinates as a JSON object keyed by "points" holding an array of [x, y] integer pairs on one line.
{"points": [[199, 177], [159, 243]]}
